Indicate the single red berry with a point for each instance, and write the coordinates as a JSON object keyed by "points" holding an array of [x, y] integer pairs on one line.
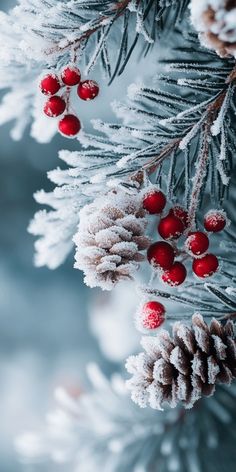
{"points": [[50, 84], [154, 201], [215, 220], [206, 266], [70, 75], [176, 275], [197, 243], [161, 255], [54, 106], [151, 316], [69, 125], [181, 213], [88, 90], [170, 227]]}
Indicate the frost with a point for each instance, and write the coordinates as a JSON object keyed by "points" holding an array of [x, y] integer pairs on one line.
{"points": [[109, 239], [134, 90], [222, 27]]}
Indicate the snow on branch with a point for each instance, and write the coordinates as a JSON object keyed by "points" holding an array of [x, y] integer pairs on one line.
{"points": [[17, 73], [117, 153], [57, 30], [40, 34]]}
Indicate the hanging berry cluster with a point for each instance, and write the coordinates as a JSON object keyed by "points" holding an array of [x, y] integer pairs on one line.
{"points": [[57, 105], [162, 255]]}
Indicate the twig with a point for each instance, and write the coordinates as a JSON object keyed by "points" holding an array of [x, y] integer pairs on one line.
{"points": [[118, 10]]}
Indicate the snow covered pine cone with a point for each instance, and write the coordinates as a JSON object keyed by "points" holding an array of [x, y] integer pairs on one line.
{"points": [[110, 236], [216, 22], [185, 367]]}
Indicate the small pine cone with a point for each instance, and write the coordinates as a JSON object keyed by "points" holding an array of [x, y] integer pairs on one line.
{"points": [[110, 236], [216, 22], [185, 367]]}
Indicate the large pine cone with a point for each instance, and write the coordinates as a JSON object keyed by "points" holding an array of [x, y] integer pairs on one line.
{"points": [[184, 367], [216, 22], [110, 236]]}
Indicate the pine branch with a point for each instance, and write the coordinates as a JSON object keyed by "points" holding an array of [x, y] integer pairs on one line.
{"points": [[70, 29], [120, 154]]}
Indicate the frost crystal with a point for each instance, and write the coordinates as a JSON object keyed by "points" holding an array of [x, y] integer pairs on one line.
{"points": [[110, 236], [184, 367], [216, 22]]}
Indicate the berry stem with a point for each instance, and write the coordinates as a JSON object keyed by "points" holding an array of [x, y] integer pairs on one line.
{"points": [[67, 98], [73, 54], [184, 255]]}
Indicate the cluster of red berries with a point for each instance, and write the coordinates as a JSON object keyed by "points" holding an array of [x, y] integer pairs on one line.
{"points": [[56, 105], [161, 255]]}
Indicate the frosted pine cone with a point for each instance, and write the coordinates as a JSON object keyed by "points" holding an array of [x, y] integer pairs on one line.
{"points": [[216, 22], [185, 367], [110, 236]]}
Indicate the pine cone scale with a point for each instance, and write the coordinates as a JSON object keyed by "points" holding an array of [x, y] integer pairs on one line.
{"points": [[179, 360], [110, 239], [189, 364], [215, 22]]}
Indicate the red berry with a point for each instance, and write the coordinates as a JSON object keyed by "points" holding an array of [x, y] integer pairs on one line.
{"points": [[154, 201], [176, 275], [197, 243], [181, 213], [151, 316], [215, 221], [206, 266], [50, 84], [88, 90], [54, 106], [70, 76], [161, 255], [170, 227], [69, 125]]}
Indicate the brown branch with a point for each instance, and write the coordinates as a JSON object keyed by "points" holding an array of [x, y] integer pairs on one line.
{"points": [[200, 174], [151, 165], [211, 112], [210, 115], [118, 9]]}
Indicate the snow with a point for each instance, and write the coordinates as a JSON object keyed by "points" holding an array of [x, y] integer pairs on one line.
{"points": [[107, 249]]}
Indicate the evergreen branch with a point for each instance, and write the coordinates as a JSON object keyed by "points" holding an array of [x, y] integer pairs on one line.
{"points": [[69, 29], [203, 306], [115, 12], [121, 154], [221, 295], [213, 106]]}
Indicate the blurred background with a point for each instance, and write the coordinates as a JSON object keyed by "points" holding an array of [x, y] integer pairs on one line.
{"points": [[44, 338]]}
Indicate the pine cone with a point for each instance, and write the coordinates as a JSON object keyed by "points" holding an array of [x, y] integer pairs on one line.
{"points": [[216, 22], [184, 367], [109, 239]]}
